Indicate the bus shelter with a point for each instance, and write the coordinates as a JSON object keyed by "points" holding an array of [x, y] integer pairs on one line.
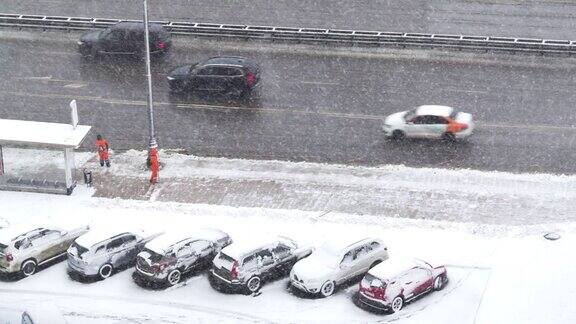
{"points": [[40, 136]]}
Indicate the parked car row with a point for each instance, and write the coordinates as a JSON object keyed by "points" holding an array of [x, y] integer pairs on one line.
{"points": [[239, 77], [163, 259]]}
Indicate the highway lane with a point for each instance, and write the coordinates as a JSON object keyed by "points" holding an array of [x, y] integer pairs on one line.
{"points": [[316, 105], [536, 18]]}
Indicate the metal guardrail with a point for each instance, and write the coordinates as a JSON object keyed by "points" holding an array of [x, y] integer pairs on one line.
{"points": [[308, 35]]}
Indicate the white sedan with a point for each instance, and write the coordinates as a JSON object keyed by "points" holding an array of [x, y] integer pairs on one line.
{"points": [[335, 263], [429, 121]]}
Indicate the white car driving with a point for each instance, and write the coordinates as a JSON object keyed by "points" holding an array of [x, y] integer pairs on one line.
{"points": [[429, 121], [335, 263]]}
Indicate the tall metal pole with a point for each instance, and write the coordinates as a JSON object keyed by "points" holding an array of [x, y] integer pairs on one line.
{"points": [[152, 143]]}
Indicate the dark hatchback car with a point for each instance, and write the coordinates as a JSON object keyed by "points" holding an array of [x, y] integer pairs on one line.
{"points": [[126, 39], [225, 75]]}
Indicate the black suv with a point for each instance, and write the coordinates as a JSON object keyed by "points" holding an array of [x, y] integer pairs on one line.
{"points": [[231, 75], [125, 38]]}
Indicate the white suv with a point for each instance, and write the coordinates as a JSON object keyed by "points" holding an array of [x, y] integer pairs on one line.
{"points": [[337, 262]]}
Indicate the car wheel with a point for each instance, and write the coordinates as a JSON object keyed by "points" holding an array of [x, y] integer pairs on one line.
{"points": [[105, 271], [327, 288], [28, 268], [253, 285], [177, 87], [439, 283], [398, 135], [397, 304], [174, 277], [236, 92], [448, 137]]}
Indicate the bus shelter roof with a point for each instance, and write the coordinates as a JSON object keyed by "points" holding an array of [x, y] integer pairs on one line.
{"points": [[41, 135]]}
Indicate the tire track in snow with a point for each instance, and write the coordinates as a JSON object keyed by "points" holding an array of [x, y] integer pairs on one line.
{"points": [[154, 302]]}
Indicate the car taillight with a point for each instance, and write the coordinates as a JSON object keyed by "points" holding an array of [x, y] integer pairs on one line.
{"points": [[378, 292], [9, 257], [161, 45], [234, 271], [250, 79], [463, 127], [158, 267]]}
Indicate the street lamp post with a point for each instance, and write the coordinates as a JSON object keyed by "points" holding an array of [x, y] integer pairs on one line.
{"points": [[152, 144]]}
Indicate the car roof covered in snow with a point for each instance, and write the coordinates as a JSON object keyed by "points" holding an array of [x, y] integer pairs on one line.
{"points": [[11, 232], [434, 110], [240, 248], [164, 241], [96, 236], [394, 266], [340, 245]]}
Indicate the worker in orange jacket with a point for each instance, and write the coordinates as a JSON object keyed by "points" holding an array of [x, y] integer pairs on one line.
{"points": [[154, 165], [102, 147]]}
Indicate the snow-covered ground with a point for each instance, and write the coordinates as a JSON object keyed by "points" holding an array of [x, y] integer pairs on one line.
{"points": [[501, 272]]}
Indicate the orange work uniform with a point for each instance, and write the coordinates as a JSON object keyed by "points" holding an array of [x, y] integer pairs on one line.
{"points": [[102, 147]]}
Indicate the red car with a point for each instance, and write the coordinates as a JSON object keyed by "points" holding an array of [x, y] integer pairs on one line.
{"points": [[396, 281]]}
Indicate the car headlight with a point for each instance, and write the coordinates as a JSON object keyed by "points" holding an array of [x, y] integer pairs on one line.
{"points": [[80, 42], [171, 78]]}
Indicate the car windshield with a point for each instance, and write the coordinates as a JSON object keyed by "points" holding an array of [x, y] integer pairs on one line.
{"points": [[327, 255], [453, 114], [226, 258], [226, 261], [22, 243], [410, 114], [80, 250], [154, 256], [372, 281]]}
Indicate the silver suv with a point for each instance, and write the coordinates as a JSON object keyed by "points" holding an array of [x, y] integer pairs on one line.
{"points": [[100, 254], [167, 258], [246, 266], [24, 248]]}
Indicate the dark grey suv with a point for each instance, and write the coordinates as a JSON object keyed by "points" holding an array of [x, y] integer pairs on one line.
{"points": [[245, 266], [229, 74], [125, 38]]}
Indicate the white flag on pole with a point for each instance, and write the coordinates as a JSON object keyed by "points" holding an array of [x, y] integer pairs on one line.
{"points": [[74, 112]]}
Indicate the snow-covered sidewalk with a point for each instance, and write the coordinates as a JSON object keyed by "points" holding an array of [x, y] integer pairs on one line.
{"points": [[462, 196], [469, 198]]}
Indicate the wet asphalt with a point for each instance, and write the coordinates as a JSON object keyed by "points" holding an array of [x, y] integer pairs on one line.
{"points": [[316, 104]]}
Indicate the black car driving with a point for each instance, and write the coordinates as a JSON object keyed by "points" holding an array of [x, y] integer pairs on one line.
{"points": [[229, 74], [125, 38]]}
